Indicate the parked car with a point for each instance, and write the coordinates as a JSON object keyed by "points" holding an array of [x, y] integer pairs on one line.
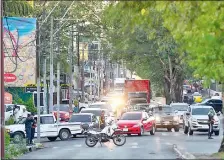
{"points": [[215, 103], [15, 111], [64, 112], [84, 118], [179, 109], [196, 119], [97, 112], [137, 123], [48, 126], [166, 118]]}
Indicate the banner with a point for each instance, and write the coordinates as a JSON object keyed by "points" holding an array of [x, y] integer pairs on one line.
{"points": [[19, 51]]}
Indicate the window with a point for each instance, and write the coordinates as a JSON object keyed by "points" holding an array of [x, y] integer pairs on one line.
{"points": [[131, 116], [47, 120], [200, 111], [9, 108]]}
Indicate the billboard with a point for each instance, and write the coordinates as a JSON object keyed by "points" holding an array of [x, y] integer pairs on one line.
{"points": [[19, 51]]}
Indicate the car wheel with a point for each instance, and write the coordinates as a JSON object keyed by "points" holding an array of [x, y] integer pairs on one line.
{"points": [[169, 129], [141, 131], [18, 137], [185, 129], [152, 132], [52, 138], [216, 133], [64, 134], [176, 129]]}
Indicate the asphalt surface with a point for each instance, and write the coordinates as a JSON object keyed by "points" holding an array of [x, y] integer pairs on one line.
{"points": [[159, 146]]}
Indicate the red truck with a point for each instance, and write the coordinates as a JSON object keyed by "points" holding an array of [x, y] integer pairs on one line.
{"points": [[137, 89]]}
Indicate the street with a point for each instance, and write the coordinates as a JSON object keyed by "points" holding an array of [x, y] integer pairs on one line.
{"points": [[159, 146]]}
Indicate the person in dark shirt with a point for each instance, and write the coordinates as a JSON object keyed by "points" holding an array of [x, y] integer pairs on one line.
{"points": [[33, 130], [102, 120], [28, 125]]}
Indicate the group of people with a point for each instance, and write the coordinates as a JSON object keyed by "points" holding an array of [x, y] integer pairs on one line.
{"points": [[30, 125]]}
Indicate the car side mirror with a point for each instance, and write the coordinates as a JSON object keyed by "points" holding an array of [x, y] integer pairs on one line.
{"points": [[187, 113]]}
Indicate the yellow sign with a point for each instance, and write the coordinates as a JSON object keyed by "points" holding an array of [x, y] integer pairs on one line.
{"points": [[83, 47]]}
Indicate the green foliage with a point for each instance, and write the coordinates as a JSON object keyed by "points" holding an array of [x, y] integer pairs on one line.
{"points": [[29, 104], [13, 150], [17, 8], [10, 121], [198, 27]]}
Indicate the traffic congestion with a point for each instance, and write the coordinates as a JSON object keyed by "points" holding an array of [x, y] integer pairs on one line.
{"points": [[123, 113]]}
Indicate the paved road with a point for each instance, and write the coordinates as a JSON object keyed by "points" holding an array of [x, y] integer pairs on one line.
{"points": [[158, 146]]}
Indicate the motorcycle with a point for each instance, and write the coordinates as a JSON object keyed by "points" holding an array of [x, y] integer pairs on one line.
{"points": [[109, 132]]}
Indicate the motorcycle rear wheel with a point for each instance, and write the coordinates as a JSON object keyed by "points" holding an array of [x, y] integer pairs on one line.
{"points": [[119, 138], [91, 141]]}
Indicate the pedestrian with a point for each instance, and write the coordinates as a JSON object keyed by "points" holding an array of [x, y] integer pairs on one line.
{"points": [[76, 106], [28, 125], [33, 128], [102, 120], [211, 115]]}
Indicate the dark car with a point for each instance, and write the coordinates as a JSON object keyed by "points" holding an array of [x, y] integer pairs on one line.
{"points": [[215, 103], [166, 118]]}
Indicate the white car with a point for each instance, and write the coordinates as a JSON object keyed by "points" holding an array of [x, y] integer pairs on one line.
{"points": [[196, 119], [16, 112], [179, 109], [48, 126], [97, 112]]}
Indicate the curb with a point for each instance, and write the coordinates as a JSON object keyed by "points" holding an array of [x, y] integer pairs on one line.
{"points": [[182, 154], [35, 147]]}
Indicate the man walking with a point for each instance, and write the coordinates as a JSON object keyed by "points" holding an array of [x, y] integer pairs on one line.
{"points": [[28, 125], [211, 115]]}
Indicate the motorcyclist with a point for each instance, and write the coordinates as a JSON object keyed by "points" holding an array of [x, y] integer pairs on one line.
{"points": [[102, 120], [211, 115]]}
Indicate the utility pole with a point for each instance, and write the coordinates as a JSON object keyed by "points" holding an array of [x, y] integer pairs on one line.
{"points": [[83, 78], [70, 70], [45, 85], [2, 91], [51, 67], [38, 79], [58, 77], [91, 82]]}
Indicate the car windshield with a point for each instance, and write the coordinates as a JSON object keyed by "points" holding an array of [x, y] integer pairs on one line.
{"points": [[200, 111], [162, 109], [205, 101], [95, 112], [180, 107], [61, 108], [80, 118], [131, 116]]}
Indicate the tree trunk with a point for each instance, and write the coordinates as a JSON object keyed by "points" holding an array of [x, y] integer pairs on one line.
{"points": [[167, 91]]}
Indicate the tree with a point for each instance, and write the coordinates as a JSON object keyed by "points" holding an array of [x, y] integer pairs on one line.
{"points": [[138, 36], [16, 8]]}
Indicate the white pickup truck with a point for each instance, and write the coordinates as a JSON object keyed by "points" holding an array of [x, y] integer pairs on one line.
{"points": [[196, 120], [48, 128]]}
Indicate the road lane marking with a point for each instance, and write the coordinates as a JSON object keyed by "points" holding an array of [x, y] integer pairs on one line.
{"points": [[55, 147], [134, 144], [164, 134], [135, 147]]}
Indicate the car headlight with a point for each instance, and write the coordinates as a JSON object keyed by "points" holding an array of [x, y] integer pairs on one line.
{"points": [[194, 120], [175, 118], [157, 118]]}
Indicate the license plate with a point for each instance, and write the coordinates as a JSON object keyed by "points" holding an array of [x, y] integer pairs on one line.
{"points": [[125, 129]]}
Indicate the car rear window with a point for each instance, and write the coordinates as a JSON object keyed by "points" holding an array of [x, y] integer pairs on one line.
{"points": [[80, 118]]}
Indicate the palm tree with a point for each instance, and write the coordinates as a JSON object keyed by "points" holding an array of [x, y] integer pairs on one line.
{"points": [[17, 8]]}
